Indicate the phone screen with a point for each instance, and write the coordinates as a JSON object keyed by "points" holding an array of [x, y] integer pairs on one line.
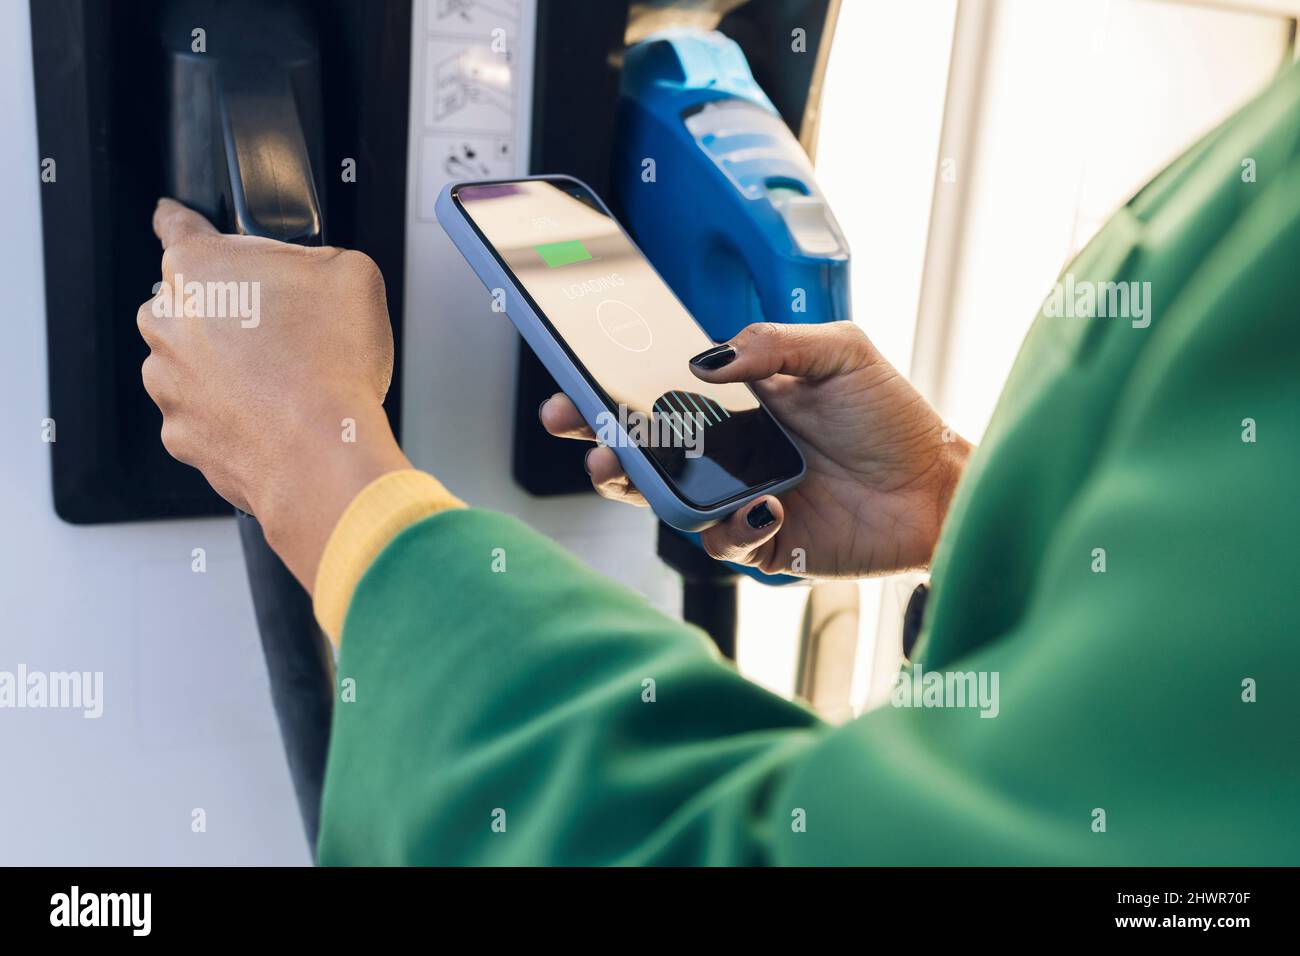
{"points": [[632, 337]]}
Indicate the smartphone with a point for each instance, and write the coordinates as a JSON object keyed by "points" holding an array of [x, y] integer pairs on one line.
{"points": [[619, 343]]}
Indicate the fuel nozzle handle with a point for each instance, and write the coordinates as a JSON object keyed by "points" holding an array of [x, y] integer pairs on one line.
{"points": [[272, 190], [243, 143], [244, 125]]}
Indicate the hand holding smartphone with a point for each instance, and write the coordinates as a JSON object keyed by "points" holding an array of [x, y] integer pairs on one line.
{"points": [[618, 342]]}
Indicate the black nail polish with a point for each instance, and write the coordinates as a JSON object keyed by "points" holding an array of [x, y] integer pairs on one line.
{"points": [[760, 516], [715, 358]]}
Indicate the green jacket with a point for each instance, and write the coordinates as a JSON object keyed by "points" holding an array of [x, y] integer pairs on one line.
{"points": [[1147, 712]]}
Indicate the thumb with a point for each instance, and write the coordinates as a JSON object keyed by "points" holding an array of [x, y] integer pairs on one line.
{"points": [[769, 348], [174, 223], [747, 537]]}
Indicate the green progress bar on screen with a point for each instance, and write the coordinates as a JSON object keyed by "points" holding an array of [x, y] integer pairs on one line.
{"points": [[556, 254]]}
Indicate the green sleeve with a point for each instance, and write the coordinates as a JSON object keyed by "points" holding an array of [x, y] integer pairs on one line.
{"points": [[500, 681]]}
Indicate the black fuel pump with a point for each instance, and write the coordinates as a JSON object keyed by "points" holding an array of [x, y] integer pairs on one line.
{"points": [[248, 111], [244, 147]]}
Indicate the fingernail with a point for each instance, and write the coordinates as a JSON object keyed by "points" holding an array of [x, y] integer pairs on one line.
{"points": [[541, 407], [586, 460], [760, 516], [710, 360]]}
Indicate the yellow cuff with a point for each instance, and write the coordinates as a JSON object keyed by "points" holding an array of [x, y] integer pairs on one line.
{"points": [[380, 511]]}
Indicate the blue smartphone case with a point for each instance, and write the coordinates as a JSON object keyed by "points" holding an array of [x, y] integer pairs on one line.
{"points": [[665, 502]]}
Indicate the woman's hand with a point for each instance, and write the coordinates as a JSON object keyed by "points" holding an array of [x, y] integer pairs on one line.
{"points": [[277, 399], [881, 464]]}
